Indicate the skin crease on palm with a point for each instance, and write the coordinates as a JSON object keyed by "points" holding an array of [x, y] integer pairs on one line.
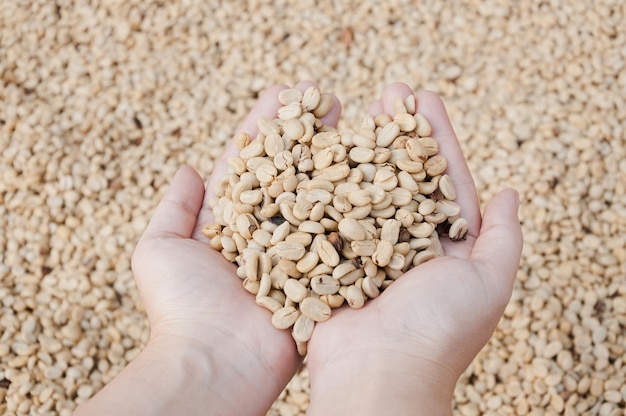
{"points": [[415, 339]]}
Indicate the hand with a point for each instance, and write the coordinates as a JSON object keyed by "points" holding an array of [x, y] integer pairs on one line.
{"points": [[211, 349], [403, 352]]}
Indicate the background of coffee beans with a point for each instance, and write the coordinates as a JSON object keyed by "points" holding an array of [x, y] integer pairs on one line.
{"points": [[101, 102]]}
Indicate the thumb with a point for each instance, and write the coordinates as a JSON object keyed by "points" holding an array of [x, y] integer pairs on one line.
{"points": [[177, 213], [498, 248]]}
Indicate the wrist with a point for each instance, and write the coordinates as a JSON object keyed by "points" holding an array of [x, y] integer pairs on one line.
{"points": [[181, 375], [374, 383]]}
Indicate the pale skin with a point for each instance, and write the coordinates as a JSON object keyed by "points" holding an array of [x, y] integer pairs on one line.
{"points": [[212, 350]]}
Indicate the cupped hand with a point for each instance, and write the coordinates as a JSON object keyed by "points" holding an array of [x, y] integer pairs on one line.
{"points": [[420, 334], [191, 293]]}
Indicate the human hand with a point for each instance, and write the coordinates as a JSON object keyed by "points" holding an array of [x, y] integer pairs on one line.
{"points": [[212, 350], [403, 352]]}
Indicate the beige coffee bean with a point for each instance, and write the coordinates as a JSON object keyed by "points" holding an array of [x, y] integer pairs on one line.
{"points": [[382, 254], [342, 203], [421, 230], [317, 213], [400, 196], [285, 317], [351, 229], [326, 104], [295, 290], [311, 98], [242, 140], [293, 129], [346, 188], [386, 178], [406, 181], [324, 284], [420, 243], [286, 210], [427, 207], [289, 267], [458, 230], [423, 126], [382, 120], [404, 216], [251, 265], [240, 188], [315, 309], [449, 208], [265, 285], [410, 166], [269, 303], [435, 165], [363, 248], [334, 173], [273, 145], [279, 234], [361, 154], [390, 231], [301, 237], [377, 194], [365, 142], [290, 95], [329, 225], [311, 227], [387, 134], [427, 188], [252, 197], [212, 230], [342, 269], [388, 212], [405, 121], [396, 262], [302, 209], [430, 145], [369, 288], [328, 254], [228, 243], [267, 126], [333, 300], [254, 149], [424, 256], [290, 251], [340, 153], [381, 155], [236, 165], [266, 174], [279, 277], [307, 262], [355, 297], [358, 213], [436, 218], [303, 328], [251, 286], [324, 158], [447, 187], [360, 197], [410, 103], [369, 171], [321, 268], [416, 150], [290, 111], [351, 277]]}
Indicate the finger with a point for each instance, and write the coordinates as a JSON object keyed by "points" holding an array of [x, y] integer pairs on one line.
{"points": [[375, 108], [433, 109], [498, 248], [177, 213]]}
